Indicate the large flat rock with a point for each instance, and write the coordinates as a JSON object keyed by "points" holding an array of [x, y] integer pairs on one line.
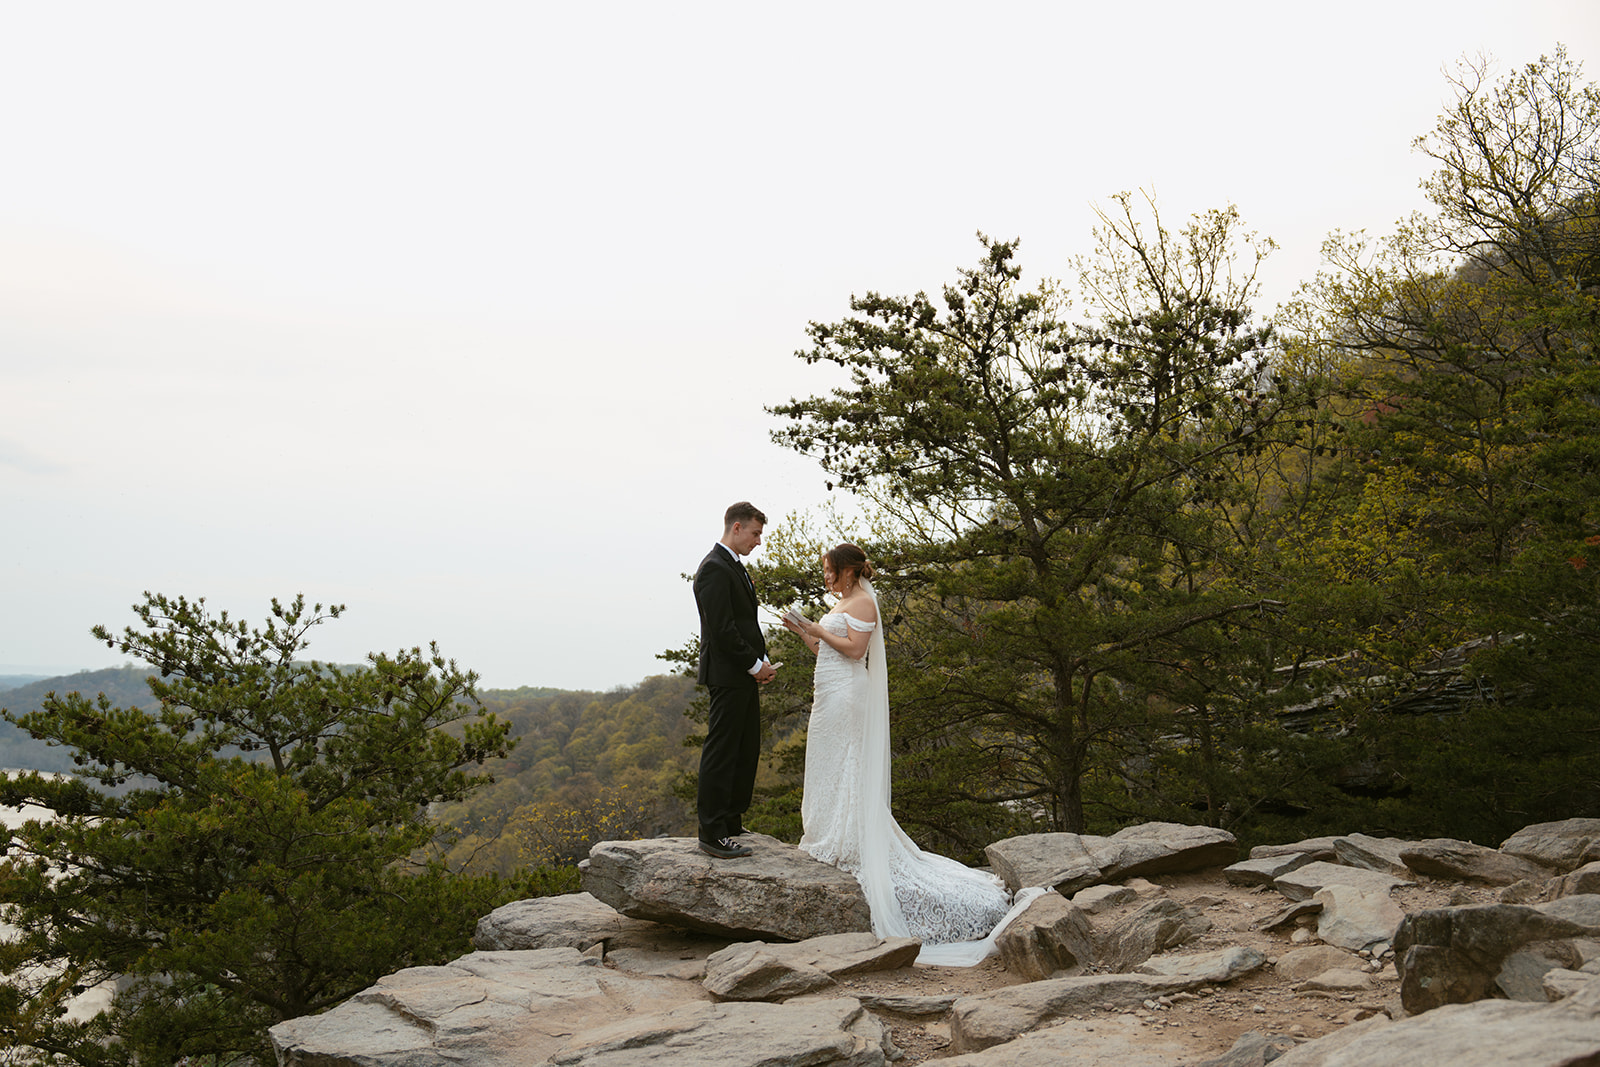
{"points": [[779, 893], [987, 1019], [1563, 845], [490, 1009], [1490, 1033]]}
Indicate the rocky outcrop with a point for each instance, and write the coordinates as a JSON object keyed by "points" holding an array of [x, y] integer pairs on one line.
{"points": [[573, 980], [1070, 862], [779, 893]]}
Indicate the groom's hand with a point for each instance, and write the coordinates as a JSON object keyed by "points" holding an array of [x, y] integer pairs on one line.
{"points": [[766, 674]]}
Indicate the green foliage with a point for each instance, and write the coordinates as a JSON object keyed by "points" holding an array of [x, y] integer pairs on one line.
{"points": [[1061, 500], [264, 863], [579, 755]]}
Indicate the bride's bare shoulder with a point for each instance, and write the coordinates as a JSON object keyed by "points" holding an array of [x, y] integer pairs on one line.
{"points": [[860, 608]]}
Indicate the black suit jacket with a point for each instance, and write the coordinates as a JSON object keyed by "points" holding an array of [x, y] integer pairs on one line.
{"points": [[730, 636]]}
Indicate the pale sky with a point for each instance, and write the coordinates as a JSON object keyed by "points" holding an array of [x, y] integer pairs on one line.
{"points": [[465, 315]]}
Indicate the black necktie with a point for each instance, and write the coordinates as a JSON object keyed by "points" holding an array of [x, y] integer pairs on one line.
{"points": [[747, 581]]}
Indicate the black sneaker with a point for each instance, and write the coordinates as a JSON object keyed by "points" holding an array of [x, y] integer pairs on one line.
{"points": [[726, 849]]}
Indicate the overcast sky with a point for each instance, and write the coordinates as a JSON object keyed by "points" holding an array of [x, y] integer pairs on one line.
{"points": [[465, 315]]}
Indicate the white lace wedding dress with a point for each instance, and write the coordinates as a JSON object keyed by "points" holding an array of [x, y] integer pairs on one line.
{"points": [[848, 823]]}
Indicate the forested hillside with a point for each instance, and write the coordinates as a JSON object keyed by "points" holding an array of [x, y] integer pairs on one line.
{"points": [[124, 686], [586, 766]]}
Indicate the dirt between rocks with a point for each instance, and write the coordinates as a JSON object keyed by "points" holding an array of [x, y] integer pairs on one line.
{"points": [[1209, 1020]]}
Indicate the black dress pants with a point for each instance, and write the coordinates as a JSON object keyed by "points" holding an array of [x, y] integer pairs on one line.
{"points": [[728, 759]]}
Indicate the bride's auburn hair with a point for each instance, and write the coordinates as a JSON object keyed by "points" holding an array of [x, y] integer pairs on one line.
{"points": [[846, 559]]}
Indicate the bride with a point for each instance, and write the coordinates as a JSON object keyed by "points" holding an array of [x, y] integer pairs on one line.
{"points": [[845, 807]]}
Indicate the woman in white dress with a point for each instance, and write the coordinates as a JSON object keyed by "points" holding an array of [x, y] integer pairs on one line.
{"points": [[845, 808]]}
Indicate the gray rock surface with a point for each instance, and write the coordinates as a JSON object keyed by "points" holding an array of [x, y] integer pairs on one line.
{"points": [[1160, 925], [1299, 964], [1490, 1033], [1562, 982], [1217, 966], [755, 970], [1252, 1050], [1336, 981], [987, 1019], [1355, 917], [572, 920], [1051, 937], [1262, 870], [1070, 862], [496, 1009], [779, 893], [1463, 861], [815, 1032], [1373, 853], [1584, 880], [1562, 845], [1454, 955], [1304, 882], [1121, 1042], [1102, 898], [1318, 848]]}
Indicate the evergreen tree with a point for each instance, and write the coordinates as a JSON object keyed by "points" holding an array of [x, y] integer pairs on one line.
{"points": [[255, 863]]}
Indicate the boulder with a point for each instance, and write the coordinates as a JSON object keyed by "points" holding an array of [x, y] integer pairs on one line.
{"points": [[1159, 925], [1562, 845], [1070, 862], [1304, 882], [1584, 880], [754, 970], [1220, 965], [779, 893], [1454, 955], [494, 1009], [1373, 853], [1043, 859], [1050, 937], [1000, 1015], [573, 920], [1262, 870], [1490, 1033], [1463, 861], [834, 1032], [1302, 963], [1354, 917]]}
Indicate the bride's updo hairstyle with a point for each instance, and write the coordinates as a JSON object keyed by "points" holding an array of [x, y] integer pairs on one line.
{"points": [[849, 559]]}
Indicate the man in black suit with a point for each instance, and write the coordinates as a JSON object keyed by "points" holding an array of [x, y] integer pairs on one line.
{"points": [[733, 665]]}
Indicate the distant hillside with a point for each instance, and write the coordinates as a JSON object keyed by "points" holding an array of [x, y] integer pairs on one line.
{"points": [[124, 686]]}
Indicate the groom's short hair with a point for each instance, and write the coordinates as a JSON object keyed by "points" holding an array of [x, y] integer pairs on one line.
{"points": [[744, 512]]}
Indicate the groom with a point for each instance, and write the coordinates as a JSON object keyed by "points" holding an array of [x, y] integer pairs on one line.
{"points": [[733, 663]]}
